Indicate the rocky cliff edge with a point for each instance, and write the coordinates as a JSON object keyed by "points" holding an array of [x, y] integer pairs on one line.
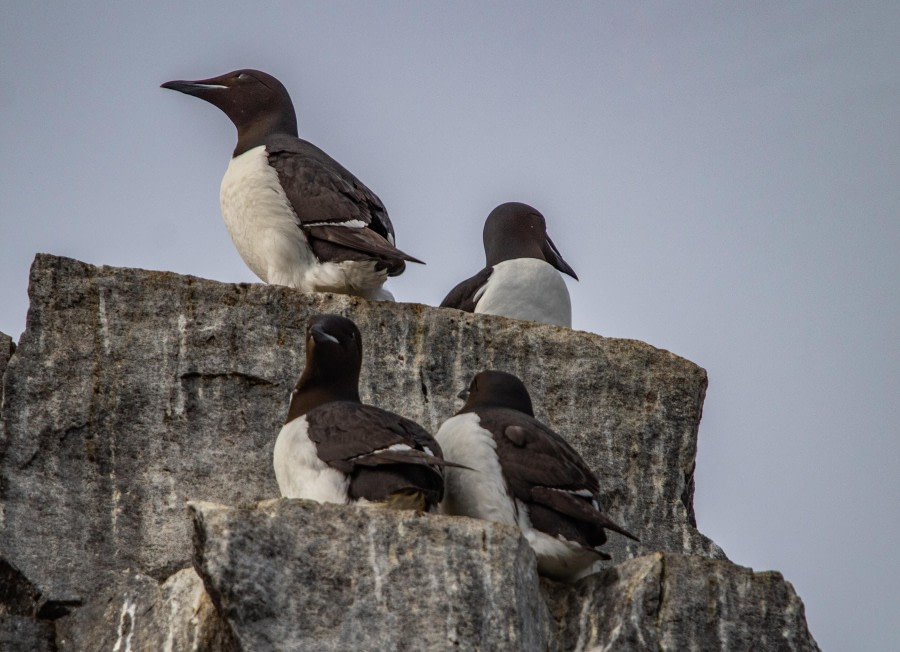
{"points": [[139, 414]]}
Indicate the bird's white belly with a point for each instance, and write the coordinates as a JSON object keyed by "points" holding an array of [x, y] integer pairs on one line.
{"points": [[557, 557], [527, 288], [481, 492], [299, 471], [267, 235], [262, 224], [349, 277]]}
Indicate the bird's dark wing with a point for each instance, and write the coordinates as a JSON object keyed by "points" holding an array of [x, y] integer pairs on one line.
{"points": [[351, 222], [544, 472], [370, 445], [576, 507], [365, 242], [321, 190], [535, 455], [462, 297]]}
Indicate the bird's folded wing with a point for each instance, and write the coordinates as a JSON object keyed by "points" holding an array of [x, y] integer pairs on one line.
{"points": [[321, 189], [577, 507], [410, 456], [346, 433], [359, 239], [463, 296], [533, 455]]}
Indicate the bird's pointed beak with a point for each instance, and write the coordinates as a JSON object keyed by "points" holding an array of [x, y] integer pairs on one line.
{"points": [[199, 88], [320, 336], [552, 256]]}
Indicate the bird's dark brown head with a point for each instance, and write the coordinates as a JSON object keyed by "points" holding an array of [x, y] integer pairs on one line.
{"points": [[516, 230], [257, 103], [333, 362], [498, 389]]}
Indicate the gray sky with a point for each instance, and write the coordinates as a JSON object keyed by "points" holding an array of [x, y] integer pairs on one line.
{"points": [[724, 178]]}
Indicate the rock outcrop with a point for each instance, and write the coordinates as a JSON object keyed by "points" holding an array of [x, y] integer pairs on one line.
{"points": [[135, 612], [666, 601], [133, 392], [6, 350], [368, 579]]}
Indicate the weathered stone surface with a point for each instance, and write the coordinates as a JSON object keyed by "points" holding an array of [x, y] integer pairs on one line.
{"points": [[134, 391], [134, 612], [7, 346], [20, 630], [25, 634], [18, 596], [296, 575], [676, 602]]}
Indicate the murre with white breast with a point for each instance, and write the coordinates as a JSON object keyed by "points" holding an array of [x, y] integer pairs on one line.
{"points": [[334, 449], [521, 278], [297, 217], [521, 472]]}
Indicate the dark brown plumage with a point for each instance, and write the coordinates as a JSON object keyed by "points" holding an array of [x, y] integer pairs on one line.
{"points": [[376, 455], [526, 474], [515, 237], [541, 469], [341, 220], [323, 195]]}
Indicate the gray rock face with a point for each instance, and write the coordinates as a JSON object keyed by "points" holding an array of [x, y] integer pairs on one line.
{"points": [[296, 575], [20, 630], [18, 596], [134, 612], [673, 602], [7, 346], [134, 391], [25, 634]]}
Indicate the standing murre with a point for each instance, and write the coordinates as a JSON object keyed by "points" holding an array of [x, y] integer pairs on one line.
{"points": [[334, 449], [521, 472], [297, 217], [520, 278]]}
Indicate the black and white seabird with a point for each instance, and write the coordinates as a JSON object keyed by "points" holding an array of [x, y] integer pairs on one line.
{"points": [[334, 449], [297, 217], [520, 279], [523, 474]]}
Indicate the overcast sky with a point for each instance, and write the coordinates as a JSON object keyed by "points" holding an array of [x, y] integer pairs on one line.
{"points": [[723, 177]]}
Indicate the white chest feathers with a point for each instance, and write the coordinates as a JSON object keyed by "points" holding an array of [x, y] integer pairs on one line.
{"points": [[267, 234], [261, 221], [481, 492], [526, 288], [299, 471]]}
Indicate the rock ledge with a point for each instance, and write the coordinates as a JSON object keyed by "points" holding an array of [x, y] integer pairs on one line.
{"points": [[132, 392]]}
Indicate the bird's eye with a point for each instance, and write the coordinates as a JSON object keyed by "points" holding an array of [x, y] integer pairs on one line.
{"points": [[243, 76]]}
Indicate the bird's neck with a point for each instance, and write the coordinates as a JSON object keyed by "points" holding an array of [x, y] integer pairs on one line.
{"points": [[309, 398], [499, 252], [255, 134]]}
